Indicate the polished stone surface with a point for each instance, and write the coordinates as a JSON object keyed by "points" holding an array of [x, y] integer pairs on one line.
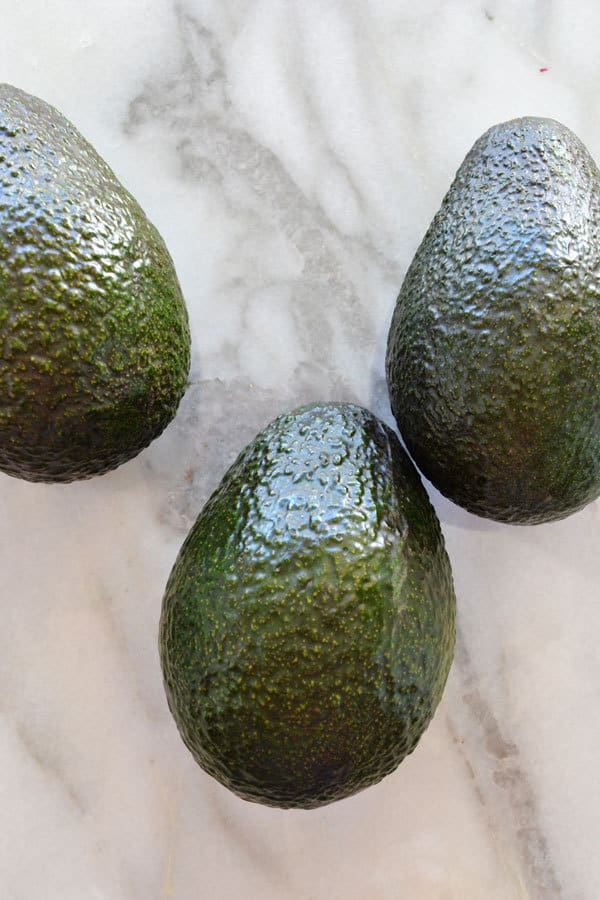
{"points": [[292, 154]]}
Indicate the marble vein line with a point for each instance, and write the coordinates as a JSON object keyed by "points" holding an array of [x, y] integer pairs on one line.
{"points": [[195, 105], [520, 826], [49, 767]]}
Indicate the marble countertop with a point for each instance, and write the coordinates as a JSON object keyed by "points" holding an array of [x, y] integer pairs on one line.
{"points": [[292, 154]]}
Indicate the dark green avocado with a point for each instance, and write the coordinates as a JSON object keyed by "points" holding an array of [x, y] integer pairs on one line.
{"points": [[307, 627], [95, 344], [493, 358]]}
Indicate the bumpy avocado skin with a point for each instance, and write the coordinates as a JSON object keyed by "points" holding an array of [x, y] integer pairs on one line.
{"points": [[95, 339], [493, 359], [307, 627]]}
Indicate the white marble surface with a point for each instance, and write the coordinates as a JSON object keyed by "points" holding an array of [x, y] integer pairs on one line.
{"points": [[292, 153]]}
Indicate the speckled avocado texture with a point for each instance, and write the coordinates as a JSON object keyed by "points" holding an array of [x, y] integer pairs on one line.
{"points": [[95, 340], [307, 627], [493, 359]]}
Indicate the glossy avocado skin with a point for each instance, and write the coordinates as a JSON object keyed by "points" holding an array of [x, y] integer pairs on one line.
{"points": [[307, 627], [493, 359], [95, 339]]}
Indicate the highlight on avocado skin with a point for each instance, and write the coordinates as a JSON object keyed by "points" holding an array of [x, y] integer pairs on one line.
{"points": [[308, 624], [95, 339], [493, 358]]}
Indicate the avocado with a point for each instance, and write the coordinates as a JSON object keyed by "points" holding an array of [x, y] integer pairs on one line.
{"points": [[95, 338], [307, 627], [493, 356]]}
